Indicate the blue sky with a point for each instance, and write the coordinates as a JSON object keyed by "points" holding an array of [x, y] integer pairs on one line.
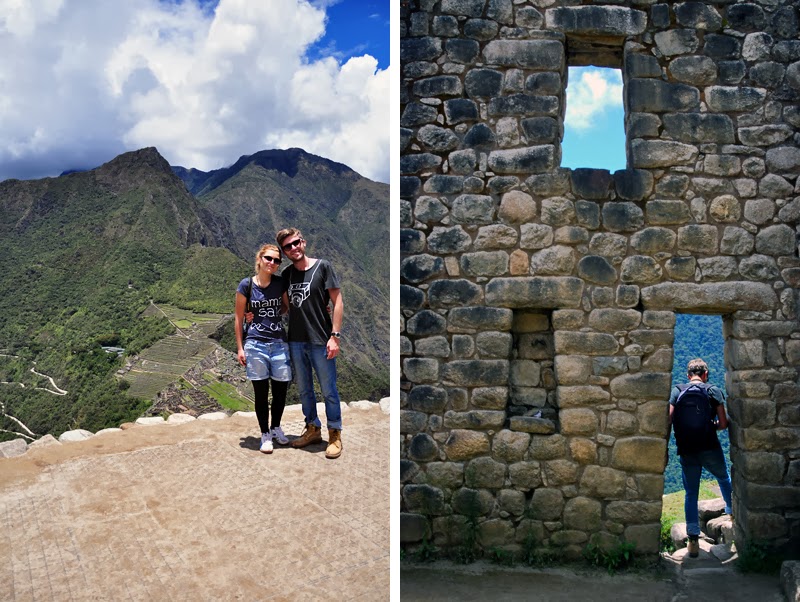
{"points": [[356, 27], [204, 81], [594, 126]]}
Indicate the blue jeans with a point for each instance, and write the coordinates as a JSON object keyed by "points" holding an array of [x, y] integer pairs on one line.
{"points": [[306, 356], [713, 460]]}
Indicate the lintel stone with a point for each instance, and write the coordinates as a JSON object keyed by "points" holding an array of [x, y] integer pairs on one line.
{"points": [[536, 292]]}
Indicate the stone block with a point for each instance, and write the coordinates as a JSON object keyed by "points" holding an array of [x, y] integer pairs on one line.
{"points": [[535, 236], [580, 421], [531, 424], [581, 395], [484, 473], [532, 159], [640, 269], [597, 269], [657, 96], [523, 105], [717, 297], [591, 183], [633, 184], [485, 263], [622, 216], [525, 475], [537, 55], [583, 514], [412, 422], [648, 154], [420, 49], [13, 448], [677, 41], [454, 293], [413, 527], [472, 502], [510, 446], [423, 499], [463, 444], [587, 343], [469, 319], [639, 454], [667, 212], [475, 373], [699, 127], [730, 99], [423, 448], [537, 292], [694, 70], [474, 419], [597, 20], [602, 482]]}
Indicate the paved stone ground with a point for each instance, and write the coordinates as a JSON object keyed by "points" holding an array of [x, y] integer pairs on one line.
{"points": [[482, 581], [195, 512]]}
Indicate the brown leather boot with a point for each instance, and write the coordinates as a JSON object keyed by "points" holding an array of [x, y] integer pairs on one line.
{"points": [[694, 546], [312, 434], [334, 444]]}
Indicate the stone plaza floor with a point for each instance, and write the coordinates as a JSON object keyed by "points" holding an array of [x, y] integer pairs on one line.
{"points": [[195, 512]]}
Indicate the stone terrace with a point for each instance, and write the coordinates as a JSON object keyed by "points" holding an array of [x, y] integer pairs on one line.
{"points": [[195, 512], [538, 302]]}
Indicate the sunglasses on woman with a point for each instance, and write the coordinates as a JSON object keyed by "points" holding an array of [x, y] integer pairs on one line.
{"points": [[270, 258]]}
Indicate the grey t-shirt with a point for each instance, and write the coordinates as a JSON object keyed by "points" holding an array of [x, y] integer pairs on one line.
{"points": [[309, 319]]}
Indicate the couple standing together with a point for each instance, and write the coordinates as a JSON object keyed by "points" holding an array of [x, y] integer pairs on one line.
{"points": [[304, 289]]}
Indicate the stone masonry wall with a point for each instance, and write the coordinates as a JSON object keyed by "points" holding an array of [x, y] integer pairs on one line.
{"points": [[538, 303]]}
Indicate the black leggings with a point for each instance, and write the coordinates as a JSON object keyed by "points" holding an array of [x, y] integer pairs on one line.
{"points": [[261, 391]]}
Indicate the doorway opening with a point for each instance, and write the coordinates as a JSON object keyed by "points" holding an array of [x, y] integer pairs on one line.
{"points": [[696, 336]]}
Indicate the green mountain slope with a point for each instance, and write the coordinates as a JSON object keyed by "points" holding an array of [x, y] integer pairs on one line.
{"points": [[85, 253], [82, 256], [344, 217]]}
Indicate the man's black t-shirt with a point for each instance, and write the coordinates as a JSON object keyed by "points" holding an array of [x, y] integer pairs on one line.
{"points": [[309, 320]]}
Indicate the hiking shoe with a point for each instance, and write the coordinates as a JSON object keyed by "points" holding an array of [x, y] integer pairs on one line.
{"points": [[334, 444], [312, 434], [693, 545], [266, 443], [277, 434]]}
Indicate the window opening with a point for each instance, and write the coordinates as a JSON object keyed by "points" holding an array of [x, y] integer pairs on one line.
{"points": [[532, 390], [594, 124]]}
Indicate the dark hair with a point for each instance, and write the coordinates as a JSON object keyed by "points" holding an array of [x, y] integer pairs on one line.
{"points": [[697, 366]]}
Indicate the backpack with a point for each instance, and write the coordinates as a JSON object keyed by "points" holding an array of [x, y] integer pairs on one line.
{"points": [[248, 289], [693, 418]]}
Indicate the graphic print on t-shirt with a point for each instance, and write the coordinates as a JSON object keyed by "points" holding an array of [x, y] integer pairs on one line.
{"points": [[299, 291], [267, 308]]}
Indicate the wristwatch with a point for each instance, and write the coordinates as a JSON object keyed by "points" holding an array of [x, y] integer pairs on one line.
{"points": [[338, 335]]}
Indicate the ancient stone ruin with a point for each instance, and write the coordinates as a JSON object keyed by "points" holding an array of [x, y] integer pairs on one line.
{"points": [[538, 303]]}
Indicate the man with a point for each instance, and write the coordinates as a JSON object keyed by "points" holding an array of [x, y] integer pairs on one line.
{"points": [[696, 412], [309, 285]]}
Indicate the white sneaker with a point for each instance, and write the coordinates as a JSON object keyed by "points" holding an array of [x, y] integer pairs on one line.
{"points": [[266, 443], [277, 433]]}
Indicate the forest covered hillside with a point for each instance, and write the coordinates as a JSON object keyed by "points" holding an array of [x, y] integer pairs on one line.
{"points": [[87, 254]]}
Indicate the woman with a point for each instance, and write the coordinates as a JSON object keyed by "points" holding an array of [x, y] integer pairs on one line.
{"points": [[261, 344]]}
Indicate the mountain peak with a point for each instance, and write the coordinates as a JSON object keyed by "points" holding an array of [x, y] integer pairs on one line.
{"points": [[144, 157]]}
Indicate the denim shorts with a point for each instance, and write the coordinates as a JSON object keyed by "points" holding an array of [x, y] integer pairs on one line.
{"points": [[268, 360]]}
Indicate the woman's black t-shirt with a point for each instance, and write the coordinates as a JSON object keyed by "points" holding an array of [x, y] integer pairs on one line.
{"points": [[265, 303]]}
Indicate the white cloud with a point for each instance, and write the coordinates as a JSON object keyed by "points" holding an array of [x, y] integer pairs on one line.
{"points": [[590, 93], [92, 78]]}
